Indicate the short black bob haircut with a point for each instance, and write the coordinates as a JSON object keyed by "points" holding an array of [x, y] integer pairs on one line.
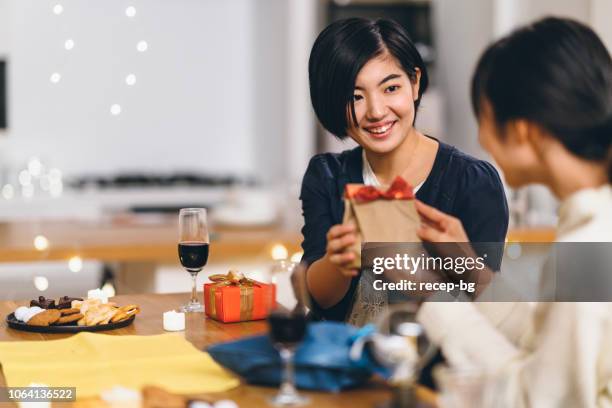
{"points": [[556, 73], [339, 53]]}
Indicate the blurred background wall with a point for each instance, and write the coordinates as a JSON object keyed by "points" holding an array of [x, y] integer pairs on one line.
{"points": [[221, 85]]}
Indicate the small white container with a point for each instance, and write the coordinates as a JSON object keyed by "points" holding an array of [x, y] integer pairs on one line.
{"points": [[174, 321]]}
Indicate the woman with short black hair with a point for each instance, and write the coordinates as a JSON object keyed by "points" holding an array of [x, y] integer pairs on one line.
{"points": [[366, 82]]}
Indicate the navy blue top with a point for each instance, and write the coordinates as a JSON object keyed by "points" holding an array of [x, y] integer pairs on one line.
{"points": [[458, 184]]}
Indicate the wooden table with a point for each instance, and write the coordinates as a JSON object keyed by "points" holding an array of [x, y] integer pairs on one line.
{"points": [[204, 332]]}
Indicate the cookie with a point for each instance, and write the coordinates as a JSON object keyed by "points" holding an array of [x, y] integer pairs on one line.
{"points": [[30, 312], [85, 305], [71, 311], [45, 318], [125, 312], [100, 314], [119, 316], [72, 318]]}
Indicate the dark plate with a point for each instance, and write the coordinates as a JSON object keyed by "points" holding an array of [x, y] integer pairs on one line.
{"points": [[72, 328]]}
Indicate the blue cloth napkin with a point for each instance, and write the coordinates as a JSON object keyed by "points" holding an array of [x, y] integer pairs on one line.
{"points": [[322, 360]]}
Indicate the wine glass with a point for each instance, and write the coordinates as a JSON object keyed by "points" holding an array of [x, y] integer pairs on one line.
{"points": [[402, 345], [193, 249], [287, 330]]}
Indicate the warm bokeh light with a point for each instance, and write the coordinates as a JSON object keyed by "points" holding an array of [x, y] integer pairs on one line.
{"points": [[69, 44], [25, 178], [41, 243], [115, 109], [35, 166], [278, 252], [297, 257], [130, 79], [8, 191], [55, 77], [142, 46], [75, 264], [41, 283]]}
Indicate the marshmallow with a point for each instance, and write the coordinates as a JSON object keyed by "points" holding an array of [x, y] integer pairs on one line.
{"points": [[21, 312]]}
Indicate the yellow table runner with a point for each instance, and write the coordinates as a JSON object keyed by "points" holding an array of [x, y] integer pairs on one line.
{"points": [[95, 362]]}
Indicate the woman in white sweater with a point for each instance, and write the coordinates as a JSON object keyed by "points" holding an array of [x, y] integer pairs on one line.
{"points": [[543, 98]]}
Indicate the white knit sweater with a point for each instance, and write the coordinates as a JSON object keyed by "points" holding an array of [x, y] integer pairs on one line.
{"points": [[544, 354]]}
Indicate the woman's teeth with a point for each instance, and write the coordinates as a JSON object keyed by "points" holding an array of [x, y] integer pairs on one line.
{"points": [[381, 129]]}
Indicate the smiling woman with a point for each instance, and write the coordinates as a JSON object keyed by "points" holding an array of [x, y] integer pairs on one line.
{"points": [[366, 82]]}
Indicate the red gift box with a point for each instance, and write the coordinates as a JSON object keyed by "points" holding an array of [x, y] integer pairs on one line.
{"points": [[235, 298]]}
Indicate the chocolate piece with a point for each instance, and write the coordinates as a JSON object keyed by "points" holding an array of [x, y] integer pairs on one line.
{"points": [[65, 302], [43, 303]]}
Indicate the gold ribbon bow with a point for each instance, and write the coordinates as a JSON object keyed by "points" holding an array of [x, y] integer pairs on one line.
{"points": [[233, 278]]}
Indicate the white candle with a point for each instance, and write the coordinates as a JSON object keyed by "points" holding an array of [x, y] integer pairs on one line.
{"points": [[174, 321]]}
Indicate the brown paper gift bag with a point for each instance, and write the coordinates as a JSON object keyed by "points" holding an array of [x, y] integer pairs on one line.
{"points": [[381, 215]]}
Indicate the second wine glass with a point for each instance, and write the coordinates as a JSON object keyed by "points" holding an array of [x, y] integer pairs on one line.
{"points": [[287, 330], [193, 249]]}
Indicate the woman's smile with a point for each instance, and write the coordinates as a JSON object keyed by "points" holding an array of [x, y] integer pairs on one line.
{"points": [[380, 130]]}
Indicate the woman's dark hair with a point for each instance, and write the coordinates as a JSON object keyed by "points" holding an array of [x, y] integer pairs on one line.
{"points": [[557, 73], [339, 53]]}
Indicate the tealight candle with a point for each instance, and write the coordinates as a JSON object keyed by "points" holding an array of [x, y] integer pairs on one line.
{"points": [[174, 321]]}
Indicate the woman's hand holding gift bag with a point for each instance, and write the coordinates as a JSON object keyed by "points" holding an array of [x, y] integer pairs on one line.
{"points": [[340, 239]]}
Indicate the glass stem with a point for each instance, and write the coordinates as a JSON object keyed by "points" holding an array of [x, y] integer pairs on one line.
{"points": [[194, 296], [288, 385]]}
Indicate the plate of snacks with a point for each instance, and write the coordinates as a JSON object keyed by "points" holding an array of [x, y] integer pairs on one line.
{"points": [[71, 315]]}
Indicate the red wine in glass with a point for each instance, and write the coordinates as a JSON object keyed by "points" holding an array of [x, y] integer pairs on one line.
{"points": [[193, 255], [193, 249], [287, 330]]}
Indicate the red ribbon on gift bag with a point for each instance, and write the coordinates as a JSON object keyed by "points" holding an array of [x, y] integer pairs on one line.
{"points": [[399, 190]]}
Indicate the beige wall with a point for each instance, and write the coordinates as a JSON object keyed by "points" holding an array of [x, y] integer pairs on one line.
{"points": [[601, 19]]}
